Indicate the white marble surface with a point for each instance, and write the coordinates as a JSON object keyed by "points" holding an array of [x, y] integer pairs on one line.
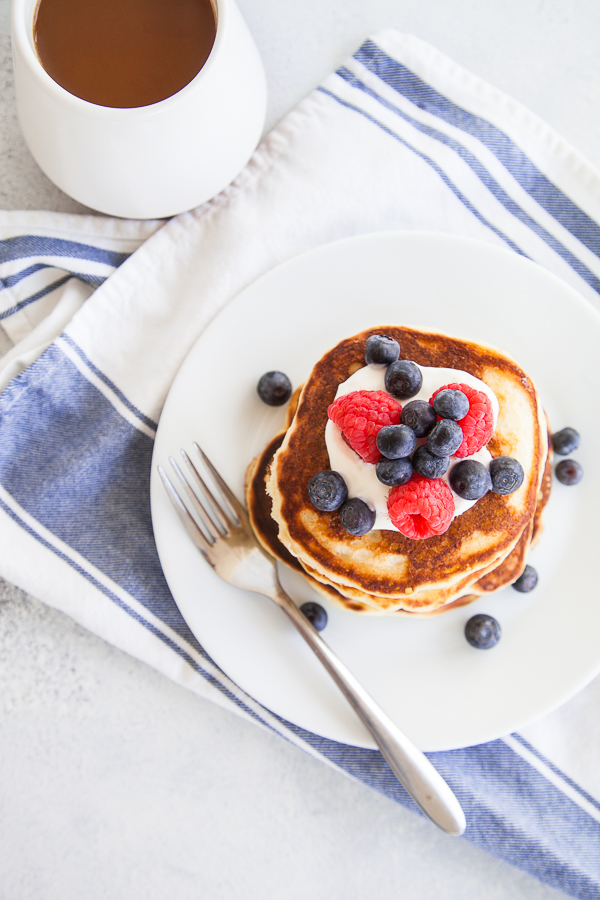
{"points": [[116, 783]]}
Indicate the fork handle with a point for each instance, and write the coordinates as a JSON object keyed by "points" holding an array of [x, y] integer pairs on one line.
{"points": [[410, 765]]}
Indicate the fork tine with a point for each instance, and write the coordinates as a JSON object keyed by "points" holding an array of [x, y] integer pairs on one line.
{"points": [[188, 522], [219, 515], [235, 506], [209, 526]]}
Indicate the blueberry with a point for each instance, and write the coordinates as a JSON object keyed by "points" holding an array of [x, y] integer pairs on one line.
{"points": [[526, 581], [356, 517], [274, 388], [403, 379], [565, 441], [327, 490], [315, 614], [568, 471], [482, 631], [445, 438], [381, 350], [420, 416], [506, 474], [428, 464], [470, 479], [396, 441], [451, 404], [393, 472]]}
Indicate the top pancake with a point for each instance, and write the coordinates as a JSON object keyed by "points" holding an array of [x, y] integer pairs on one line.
{"points": [[385, 564]]}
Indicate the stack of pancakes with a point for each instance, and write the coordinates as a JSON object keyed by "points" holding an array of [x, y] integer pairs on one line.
{"points": [[483, 550]]}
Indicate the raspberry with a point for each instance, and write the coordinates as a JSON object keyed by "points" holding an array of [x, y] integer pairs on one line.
{"points": [[360, 416], [478, 424], [421, 508]]}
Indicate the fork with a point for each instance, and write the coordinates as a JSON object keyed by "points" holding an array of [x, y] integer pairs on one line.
{"points": [[225, 538]]}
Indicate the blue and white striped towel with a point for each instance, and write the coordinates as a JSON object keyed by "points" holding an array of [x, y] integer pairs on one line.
{"points": [[399, 138]]}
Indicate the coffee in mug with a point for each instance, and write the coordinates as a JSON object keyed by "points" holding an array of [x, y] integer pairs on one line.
{"points": [[138, 108], [124, 53]]}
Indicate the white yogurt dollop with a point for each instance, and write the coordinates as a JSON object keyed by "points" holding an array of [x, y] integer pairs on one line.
{"points": [[360, 476]]}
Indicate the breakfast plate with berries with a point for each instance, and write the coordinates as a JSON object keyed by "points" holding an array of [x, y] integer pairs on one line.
{"points": [[409, 491]]}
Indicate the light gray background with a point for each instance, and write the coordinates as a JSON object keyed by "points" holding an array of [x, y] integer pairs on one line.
{"points": [[116, 783]]}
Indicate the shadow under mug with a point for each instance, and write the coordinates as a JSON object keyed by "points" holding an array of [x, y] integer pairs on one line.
{"points": [[152, 161]]}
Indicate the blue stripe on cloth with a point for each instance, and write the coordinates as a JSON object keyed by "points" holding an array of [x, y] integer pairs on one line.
{"points": [[93, 281], [86, 479], [572, 784], [484, 176], [427, 159], [28, 245], [119, 393], [37, 296], [180, 651], [80, 469], [10, 280], [102, 588], [514, 160]]}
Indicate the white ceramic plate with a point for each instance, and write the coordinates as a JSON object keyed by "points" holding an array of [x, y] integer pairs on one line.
{"points": [[440, 691]]}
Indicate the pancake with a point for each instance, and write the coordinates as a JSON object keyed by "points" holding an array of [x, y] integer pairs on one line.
{"points": [[259, 507], [383, 569]]}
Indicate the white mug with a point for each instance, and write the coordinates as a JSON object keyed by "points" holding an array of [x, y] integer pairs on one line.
{"points": [[152, 161]]}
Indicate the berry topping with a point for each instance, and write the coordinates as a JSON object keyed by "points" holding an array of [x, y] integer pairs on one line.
{"points": [[428, 464], [403, 379], [394, 471], [274, 388], [315, 614], [327, 490], [356, 517], [470, 479], [506, 474], [482, 631], [381, 351], [526, 581], [565, 441], [445, 438], [421, 508], [478, 424], [420, 416], [396, 441], [568, 471], [451, 404], [360, 416]]}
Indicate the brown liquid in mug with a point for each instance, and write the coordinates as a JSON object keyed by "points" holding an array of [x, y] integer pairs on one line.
{"points": [[124, 53]]}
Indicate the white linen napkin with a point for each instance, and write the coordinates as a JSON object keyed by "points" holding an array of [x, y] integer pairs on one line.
{"points": [[100, 314]]}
